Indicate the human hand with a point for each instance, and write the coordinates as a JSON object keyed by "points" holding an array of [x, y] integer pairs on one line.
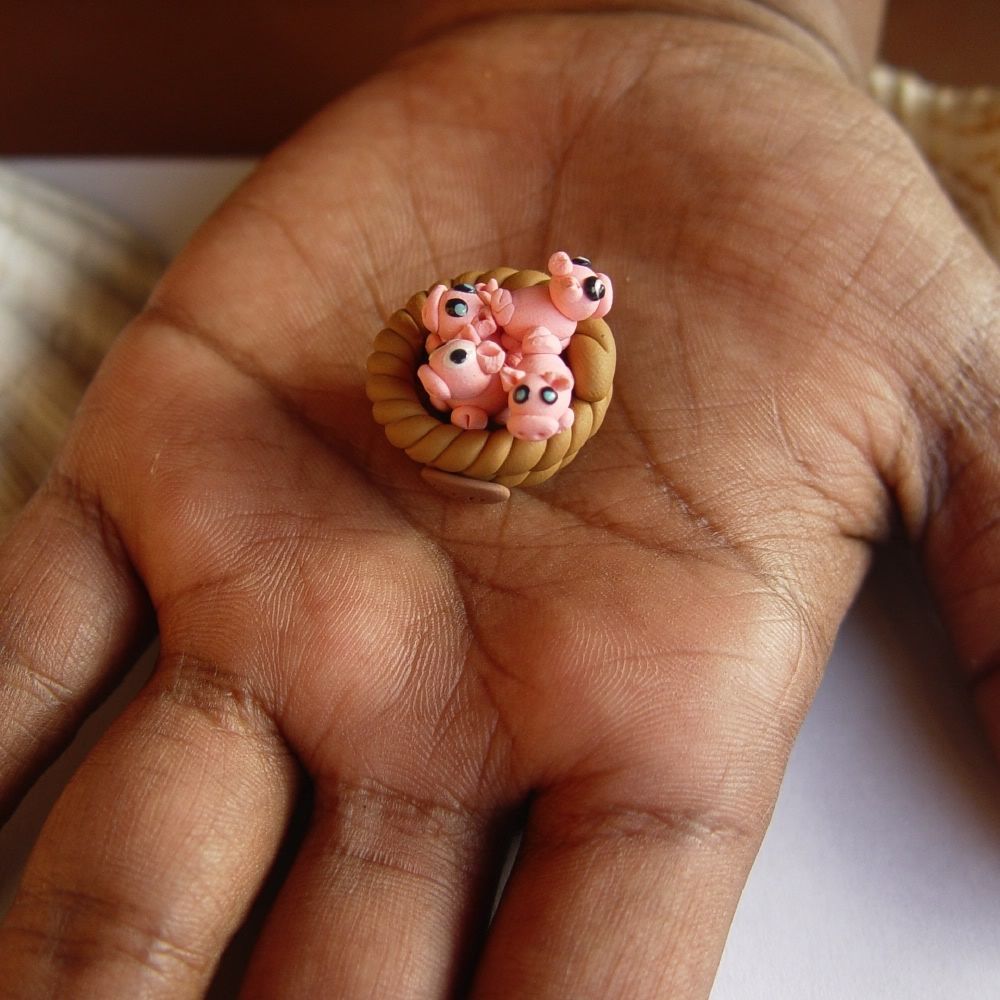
{"points": [[806, 344]]}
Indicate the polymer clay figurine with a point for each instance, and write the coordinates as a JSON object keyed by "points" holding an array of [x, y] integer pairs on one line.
{"points": [[453, 312], [463, 375], [498, 377], [574, 292], [539, 390]]}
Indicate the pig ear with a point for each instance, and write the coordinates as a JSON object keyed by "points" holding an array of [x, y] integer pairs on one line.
{"points": [[560, 263], [509, 377], [604, 306], [485, 289], [491, 357], [429, 313], [502, 306], [558, 380], [467, 333]]}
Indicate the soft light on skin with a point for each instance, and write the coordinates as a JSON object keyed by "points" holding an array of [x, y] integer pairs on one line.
{"points": [[847, 31]]}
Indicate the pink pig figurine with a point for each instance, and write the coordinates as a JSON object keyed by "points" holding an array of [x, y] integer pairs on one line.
{"points": [[464, 375], [449, 312], [574, 292], [540, 390]]}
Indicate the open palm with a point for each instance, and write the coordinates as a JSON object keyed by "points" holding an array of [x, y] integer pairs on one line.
{"points": [[618, 659]]}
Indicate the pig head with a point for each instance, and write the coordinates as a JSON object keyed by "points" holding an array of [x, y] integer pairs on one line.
{"points": [[576, 289], [539, 394], [464, 376], [454, 312]]}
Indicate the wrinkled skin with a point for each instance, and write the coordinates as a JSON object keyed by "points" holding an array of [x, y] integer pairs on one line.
{"points": [[620, 658]]}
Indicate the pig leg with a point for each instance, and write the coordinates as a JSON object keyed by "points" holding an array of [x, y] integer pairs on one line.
{"points": [[436, 387], [469, 418]]}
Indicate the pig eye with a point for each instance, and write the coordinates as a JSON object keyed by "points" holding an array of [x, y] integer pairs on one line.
{"points": [[582, 261], [594, 288], [464, 287], [521, 394], [456, 307], [549, 395], [458, 356]]}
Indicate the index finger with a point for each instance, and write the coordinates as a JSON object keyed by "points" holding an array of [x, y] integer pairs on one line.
{"points": [[71, 612]]}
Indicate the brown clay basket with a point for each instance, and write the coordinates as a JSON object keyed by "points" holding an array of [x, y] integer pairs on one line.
{"points": [[400, 405]]}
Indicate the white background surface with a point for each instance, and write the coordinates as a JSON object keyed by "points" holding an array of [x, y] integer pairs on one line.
{"points": [[880, 875]]}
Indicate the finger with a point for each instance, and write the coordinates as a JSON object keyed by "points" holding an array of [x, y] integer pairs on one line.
{"points": [[951, 494], [615, 895], [153, 854], [637, 848], [388, 898], [71, 613], [962, 539]]}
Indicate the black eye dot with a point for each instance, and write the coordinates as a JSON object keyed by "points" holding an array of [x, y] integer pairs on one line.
{"points": [[521, 394], [456, 307], [549, 395], [458, 356], [594, 288], [464, 287], [582, 261]]}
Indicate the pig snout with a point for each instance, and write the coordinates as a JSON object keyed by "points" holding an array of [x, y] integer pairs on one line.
{"points": [[540, 341], [532, 427], [539, 404]]}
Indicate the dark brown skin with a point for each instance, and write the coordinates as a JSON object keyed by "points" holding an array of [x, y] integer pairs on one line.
{"points": [[622, 657]]}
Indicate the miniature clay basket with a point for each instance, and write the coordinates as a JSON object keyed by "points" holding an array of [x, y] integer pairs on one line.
{"points": [[411, 423]]}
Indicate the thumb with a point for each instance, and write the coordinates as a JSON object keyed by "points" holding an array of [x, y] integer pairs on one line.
{"points": [[960, 529]]}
